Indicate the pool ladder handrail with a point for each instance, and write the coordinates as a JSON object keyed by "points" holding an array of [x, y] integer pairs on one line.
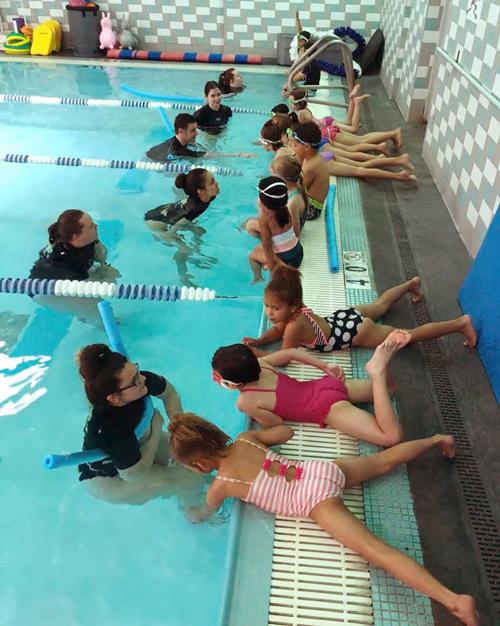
{"points": [[314, 51]]}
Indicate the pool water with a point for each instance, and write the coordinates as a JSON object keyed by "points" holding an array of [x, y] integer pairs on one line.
{"points": [[69, 559]]}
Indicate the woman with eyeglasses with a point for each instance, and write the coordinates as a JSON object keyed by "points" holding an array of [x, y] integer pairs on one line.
{"points": [[135, 471]]}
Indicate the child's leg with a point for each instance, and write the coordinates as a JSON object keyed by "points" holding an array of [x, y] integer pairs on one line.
{"points": [[401, 161], [343, 526], [353, 146], [252, 227], [375, 310], [374, 138], [357, 469], [257, 260], [353, 114], [381, 428], [432, 330], [343, 151], [340, 169]]}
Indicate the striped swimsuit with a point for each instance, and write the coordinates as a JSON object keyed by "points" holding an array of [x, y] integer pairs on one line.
{"points": [[313, 482], [344, 326]]}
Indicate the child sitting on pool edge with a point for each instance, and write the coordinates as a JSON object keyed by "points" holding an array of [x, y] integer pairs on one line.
{"points": [[305, 141]]}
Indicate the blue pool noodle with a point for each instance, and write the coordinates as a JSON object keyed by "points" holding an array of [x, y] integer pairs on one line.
{"points": [[166, 121], [157, 96], [333, 254], [52, 461]]}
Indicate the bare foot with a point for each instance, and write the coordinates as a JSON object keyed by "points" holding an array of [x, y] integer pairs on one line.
{"points": [[447, 445], [414, 289], [406, 161], [465, 610], [355, 90], [383, 148], [360, 99], [396, 340], [468, 332], [397, 139], [406, 176]]}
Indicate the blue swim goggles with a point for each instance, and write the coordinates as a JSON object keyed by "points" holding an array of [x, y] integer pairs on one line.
{"points": [[291, 133]]}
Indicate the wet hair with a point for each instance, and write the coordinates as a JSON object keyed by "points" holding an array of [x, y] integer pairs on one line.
{"points": [[290, 169], [182, 121], [191, 182], [225, 79], [210, 85], [299, 94], [285, 284], [273, 193], [236, 363], [66, 227], [306, 36], [281, 108], [192, 437], [100, 367], [310, 133], [272, 134], [285, 121]]}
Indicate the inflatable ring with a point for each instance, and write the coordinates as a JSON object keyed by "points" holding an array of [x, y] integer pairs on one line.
{"points": [[17, 44]]}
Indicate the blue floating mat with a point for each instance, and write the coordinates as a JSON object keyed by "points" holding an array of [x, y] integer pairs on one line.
{"points": [[480, 298]]}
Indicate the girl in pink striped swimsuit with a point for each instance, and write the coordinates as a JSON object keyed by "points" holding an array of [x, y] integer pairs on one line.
{"points": [[248, 470]]}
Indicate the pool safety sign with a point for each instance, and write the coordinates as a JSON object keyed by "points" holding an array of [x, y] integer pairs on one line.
{"points": [[356, 274]]}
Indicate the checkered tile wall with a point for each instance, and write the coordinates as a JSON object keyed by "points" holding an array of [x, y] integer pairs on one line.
{"points": [[473, 40], [462, 150], [246, 26], [394, 25]]}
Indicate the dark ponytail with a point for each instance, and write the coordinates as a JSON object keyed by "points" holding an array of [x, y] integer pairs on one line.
{"points": [[99, 367], [191, 182], [273, 193], [67, 226]]}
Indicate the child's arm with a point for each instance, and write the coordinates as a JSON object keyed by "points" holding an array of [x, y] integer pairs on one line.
{"points": [[273, 436], [294, 215], [298, 24], [271, 335], [283, 357], [203, 512], [264, 417], [267, 244]]}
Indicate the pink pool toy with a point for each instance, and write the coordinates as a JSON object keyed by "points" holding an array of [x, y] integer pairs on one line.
{"points": [[107, 38]]}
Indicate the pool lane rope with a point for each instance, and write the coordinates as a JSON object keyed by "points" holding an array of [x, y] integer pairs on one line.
{"points": [[149, 101], [97, 289], [70, 161], [53, 461]]}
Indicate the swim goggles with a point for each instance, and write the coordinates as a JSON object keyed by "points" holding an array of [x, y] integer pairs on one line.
{"points": [[225, 384], [269, 141], [136, 381], [291, 133], [278, 183]]}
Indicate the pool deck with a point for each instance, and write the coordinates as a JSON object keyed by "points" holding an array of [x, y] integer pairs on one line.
{"points": [[441, 384]]}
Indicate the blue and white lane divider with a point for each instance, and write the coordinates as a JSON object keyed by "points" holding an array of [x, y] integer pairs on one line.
{"points": [[53, 461], [153, 101], [95, 289], [70, 161], [331, 235]]}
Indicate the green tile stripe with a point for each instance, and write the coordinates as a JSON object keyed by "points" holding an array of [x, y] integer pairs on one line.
{"points": [[392, 519]]}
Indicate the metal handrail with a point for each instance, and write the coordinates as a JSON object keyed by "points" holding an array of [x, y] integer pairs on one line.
{"points": [[315, 50]]}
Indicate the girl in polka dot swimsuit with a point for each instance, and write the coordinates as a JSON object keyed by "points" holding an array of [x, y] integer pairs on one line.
{"points": [[299, 326]]}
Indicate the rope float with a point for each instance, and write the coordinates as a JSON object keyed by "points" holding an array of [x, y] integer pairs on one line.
{"points": [[115, 164], [96, 289], [152, 101]]}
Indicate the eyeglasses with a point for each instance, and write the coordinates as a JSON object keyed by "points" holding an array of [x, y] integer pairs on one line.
{"points": [[135, 383]]}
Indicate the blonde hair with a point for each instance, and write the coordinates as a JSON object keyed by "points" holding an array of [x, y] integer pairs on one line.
{"points": [[289, 168], [192, 437]]}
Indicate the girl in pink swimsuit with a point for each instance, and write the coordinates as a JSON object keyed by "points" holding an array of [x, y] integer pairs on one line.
{"points": [[271, 397], [248, 470]]}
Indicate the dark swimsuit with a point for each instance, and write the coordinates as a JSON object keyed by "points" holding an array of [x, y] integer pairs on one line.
{"points": [[344, 326], [170, 214], [171, 147], [212, 121], [64, 261]]}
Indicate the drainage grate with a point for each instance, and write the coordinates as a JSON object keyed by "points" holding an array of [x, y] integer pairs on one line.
{"points": [[315, 581], [476, 499]]}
